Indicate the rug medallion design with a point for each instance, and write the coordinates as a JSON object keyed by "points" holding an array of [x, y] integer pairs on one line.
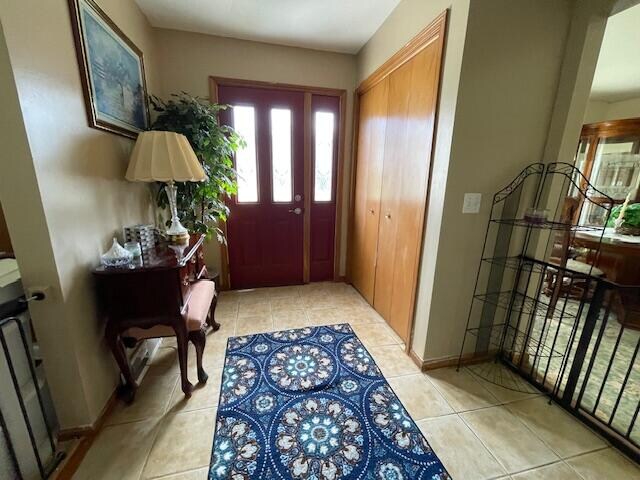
{"points": [[311, 403]]}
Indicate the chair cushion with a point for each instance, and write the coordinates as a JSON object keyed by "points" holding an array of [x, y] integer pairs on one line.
{"points": [[202, 293]]}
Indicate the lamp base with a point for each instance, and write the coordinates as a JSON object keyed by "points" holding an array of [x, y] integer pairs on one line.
{"points": [[179, 239], [176, 233]]}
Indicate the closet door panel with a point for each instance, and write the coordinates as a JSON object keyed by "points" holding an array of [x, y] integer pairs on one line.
{"points": [[395, 147], [372, 123], [415, 155]]}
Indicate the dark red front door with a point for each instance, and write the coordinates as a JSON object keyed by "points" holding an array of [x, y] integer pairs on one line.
{"points": [[265, 228]]}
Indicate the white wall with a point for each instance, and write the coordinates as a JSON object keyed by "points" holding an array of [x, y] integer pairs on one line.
{"points": [[63, 191], [600, 111], [189, 59]]}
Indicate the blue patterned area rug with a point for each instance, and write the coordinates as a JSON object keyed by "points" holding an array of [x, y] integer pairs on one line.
{"points": [[311, 403]]}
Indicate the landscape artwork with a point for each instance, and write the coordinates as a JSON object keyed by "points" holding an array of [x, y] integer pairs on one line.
{"points": [[113, 73]]}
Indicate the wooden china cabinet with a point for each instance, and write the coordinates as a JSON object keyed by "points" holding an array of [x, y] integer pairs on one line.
{"points": [[609, 157]]}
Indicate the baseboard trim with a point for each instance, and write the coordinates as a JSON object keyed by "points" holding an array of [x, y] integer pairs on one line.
{"points": [[414, 357], [450, 361], [87, 434]]}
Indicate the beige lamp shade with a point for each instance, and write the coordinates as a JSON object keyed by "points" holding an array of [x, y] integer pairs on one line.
{"points": [[164, 157]]}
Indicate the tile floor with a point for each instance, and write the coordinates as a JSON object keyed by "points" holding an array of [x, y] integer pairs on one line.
{"points": [[479, 430]]}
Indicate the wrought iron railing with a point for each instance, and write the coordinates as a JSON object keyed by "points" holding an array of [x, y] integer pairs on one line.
{"points": [[581, 348], [569, 332], [42, 444]]}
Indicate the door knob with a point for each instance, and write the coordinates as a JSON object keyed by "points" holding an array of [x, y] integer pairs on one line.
{"points": [[296, 210]]}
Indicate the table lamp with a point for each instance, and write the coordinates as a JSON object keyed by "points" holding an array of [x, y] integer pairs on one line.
{"points": [[166, 157]]}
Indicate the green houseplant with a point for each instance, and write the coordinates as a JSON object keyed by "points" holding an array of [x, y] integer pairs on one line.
{"points": [[631, 221], [201, 205]]}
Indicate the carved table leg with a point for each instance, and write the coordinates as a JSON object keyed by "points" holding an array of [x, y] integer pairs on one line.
{"points": [[183, 348], [127, 391], [199, 340]]}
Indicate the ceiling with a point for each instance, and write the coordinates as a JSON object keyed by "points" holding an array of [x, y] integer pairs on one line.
{"points": [[617, 74], [335, 25]]}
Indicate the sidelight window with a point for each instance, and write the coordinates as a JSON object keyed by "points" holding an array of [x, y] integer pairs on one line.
{"points": [[323, 167]]}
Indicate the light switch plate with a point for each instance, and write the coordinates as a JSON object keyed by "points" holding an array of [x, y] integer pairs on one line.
{"points": [[471, 203]]}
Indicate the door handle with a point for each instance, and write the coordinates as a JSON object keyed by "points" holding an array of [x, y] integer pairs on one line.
{"points": [[296, 210]]}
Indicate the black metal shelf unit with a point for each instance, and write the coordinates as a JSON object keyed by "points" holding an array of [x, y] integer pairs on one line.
{"points": [[544, 324], [510, 317], [548, 225]]}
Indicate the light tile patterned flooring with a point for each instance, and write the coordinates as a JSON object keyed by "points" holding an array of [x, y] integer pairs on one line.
{"points": [[479, 430]]}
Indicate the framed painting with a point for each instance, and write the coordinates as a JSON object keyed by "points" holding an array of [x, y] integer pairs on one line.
{"points": [[111, 70]]}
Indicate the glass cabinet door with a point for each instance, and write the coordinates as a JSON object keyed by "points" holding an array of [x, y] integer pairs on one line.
{"points": [[581, 164], [616, 166], [615, 171]]}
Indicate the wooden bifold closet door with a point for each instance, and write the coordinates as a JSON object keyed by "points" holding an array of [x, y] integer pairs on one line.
{"points": [[366, 212], [396, 120]]}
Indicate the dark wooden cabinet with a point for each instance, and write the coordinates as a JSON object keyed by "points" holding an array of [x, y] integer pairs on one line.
{"points": [[150, 298]]}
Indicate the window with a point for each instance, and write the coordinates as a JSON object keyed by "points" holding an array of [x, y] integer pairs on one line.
{"points": [[281, 173], [244, 121], [323, 175]]}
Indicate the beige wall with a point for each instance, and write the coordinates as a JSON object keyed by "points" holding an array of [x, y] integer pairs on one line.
{"points": [[188, 59], [5, 239], [64, 192], [588, 23], [408, 19], [404, 23], [505, 103], [596, 111], [496, 103], [599, 111]]}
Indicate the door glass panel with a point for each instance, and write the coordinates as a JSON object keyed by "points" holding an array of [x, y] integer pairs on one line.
{"points": [[324, 125], [281, 171], [244, 121]]}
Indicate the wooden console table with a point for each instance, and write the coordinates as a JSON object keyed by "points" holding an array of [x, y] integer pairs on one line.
{"points": [[154, 291]]}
